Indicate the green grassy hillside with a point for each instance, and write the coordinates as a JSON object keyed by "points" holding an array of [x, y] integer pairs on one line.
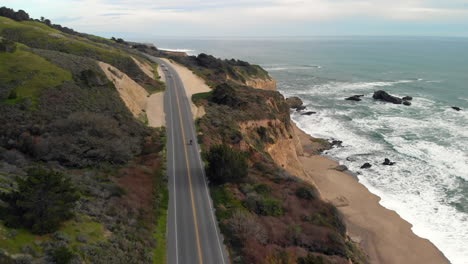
{"points": [[60, 112]]}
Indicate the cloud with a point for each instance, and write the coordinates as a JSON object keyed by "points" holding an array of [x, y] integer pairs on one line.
{"points": [[229, 16]]}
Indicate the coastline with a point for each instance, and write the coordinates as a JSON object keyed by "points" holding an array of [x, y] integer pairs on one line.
{"points": [[382, 233]]}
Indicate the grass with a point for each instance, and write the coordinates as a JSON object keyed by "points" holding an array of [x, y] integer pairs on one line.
{"points": [[199, 97], [224, 202], [13, 244], [29, 74], [94, 232]]}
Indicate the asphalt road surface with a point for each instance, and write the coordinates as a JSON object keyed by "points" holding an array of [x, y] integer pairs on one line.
{"points": [[193, 234]]}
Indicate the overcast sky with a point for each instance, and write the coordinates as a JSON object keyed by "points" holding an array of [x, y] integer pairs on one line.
{"points": [[253, 18]]}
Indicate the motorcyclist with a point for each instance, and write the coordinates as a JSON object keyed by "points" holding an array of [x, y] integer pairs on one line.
{"points": [[190, 142]]}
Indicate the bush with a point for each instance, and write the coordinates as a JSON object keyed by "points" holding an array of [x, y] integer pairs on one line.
{"points": [[312, 259], [224, 94], [62, 255], [43, 200], [263, 206], [306, 193], [7, 46], [225, 165]]}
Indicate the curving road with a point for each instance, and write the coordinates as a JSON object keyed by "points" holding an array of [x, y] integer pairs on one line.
{"points": [[193, 235]]}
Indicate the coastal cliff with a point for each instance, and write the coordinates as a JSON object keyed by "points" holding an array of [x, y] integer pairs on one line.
{"points": [[275, 202]]}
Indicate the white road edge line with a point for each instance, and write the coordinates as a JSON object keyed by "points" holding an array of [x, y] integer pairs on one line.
{"points": [[192, 127], [174, 176]]}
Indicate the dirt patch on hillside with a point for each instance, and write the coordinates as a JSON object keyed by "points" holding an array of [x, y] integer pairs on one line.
{"points": [[145, 67], [134, 96]]}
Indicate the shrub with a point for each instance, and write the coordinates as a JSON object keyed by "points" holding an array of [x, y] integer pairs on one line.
{"points": [[43, 200], [262, 189], [306, 193], [7, 46], [224, 94], [225, 165], [62, 255], [246, 226], [312, 259], [263, 206]]}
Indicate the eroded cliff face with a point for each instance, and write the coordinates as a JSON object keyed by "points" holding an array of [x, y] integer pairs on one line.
{"points": [[280, 141], [133, 95], [264, 84]]}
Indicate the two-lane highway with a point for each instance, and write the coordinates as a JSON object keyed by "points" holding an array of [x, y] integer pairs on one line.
{"points": [[193, 234]]}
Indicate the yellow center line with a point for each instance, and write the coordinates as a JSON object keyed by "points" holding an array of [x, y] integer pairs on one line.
{"points": [[194, 210]]}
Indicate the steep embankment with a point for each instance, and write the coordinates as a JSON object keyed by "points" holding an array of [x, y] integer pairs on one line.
{"points": [[134, 96], [68, 102]]}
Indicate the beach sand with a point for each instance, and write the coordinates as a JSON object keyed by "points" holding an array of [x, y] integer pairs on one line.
{"points": [[155, 110], [382, 233]]}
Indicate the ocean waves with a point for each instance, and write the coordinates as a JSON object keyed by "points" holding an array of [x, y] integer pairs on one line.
{"points": [[428, 141]]}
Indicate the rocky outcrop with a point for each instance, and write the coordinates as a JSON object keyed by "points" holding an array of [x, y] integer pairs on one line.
{"points": [[407, 98], [356, 98], [456, 108], [284, 147], [309, 113], [264, 84], [366, 165], [294, 102], [384, 96], [387, 162]]}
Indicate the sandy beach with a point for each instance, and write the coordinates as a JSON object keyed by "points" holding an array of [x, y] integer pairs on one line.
{"points": [[382, 233]]}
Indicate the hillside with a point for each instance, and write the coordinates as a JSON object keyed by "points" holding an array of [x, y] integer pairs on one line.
{"points": [[62, 112], [271, 215]]}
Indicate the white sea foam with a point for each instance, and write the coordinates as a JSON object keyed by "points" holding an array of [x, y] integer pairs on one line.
{"points": [[290, 67], [188, 51], [429, 143]]}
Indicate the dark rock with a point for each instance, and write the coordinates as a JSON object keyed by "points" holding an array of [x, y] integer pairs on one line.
{"points": [[337, 143], [356, 98], [309, 113], [366, 165], [294, 102], [341, 168], [406, 103], [384, 96], [407, 98], [456, 108], [388, 162], [300, 108]]}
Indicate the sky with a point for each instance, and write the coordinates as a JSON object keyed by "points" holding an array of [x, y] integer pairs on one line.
{"points": [[133, 19]]}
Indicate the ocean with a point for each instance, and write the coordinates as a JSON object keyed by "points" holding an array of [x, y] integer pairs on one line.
{"points": [[428, 185]]}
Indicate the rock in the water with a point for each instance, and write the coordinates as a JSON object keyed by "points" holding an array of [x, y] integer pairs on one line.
{"points": [[406, 103], [366, 165], [388, 162], [337, 143], [294, 102], [341, 168], [300, 108], [309, 113], [456, 108], [407, 98], [356, 98], [384, 96]]}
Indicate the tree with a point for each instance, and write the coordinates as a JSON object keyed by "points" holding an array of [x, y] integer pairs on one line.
{"points": [[43, 200], [225, 165]]}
